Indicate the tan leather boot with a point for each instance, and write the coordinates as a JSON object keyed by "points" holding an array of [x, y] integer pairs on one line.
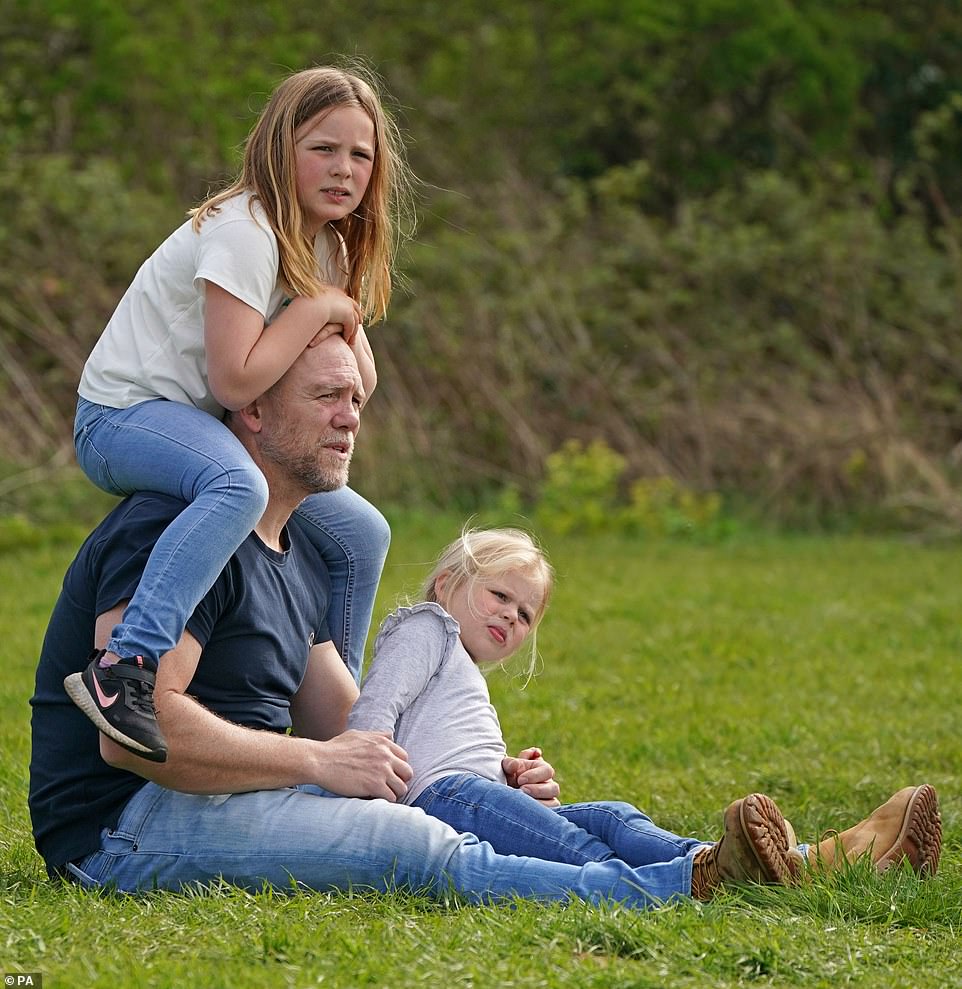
{"points": [[906, 826], [754, 849]]}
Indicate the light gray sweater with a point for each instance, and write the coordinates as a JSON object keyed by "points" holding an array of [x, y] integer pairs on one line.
{"points": [[425, 689]]}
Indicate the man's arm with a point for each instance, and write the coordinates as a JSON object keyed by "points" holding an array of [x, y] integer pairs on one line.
{"points": [[207, 754], [324, 699]]}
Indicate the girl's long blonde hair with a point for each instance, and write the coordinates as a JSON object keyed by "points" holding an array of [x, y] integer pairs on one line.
{"points": [[486, 554], [372, 233]]}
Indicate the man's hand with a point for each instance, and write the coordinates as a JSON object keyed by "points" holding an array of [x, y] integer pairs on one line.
{"points": [[365, 764], [530, 773]]}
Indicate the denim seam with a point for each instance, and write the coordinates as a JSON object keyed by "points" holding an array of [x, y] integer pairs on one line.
{"points": [[351, 559]]}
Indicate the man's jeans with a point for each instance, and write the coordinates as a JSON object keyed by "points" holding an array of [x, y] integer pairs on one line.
{"points": [[515, 824], [178, 450], [304, 838]]}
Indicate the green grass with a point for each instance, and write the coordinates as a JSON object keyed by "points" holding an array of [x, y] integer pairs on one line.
{"points": [[824, 671]]}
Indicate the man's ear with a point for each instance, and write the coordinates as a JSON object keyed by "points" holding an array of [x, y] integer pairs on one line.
{"points": [[251, 416]]}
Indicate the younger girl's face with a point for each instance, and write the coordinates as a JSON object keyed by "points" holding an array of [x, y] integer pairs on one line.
{"points": [[334, 161], [495, 614]]}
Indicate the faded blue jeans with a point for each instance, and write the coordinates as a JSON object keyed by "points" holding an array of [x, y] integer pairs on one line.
{"points": [[303, 837], [515, 824], [179, 450]]}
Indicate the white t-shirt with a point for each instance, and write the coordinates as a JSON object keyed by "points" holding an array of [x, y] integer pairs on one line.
{"points": [[153, 346]]}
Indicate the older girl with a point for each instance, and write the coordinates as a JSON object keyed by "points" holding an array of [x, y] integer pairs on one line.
{"points": [[301, 245]]}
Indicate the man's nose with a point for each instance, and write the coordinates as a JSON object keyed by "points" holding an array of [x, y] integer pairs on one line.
{"points": [[347, 417]]}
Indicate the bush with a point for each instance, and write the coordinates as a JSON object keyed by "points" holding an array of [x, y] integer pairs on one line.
{"points": [[582, 493]]}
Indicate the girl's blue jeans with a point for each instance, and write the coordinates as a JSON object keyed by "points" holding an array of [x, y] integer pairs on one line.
{"points": [[179, 450], [303, 837], [577, 834]]}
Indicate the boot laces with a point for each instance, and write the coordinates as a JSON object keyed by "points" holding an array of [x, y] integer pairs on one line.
{"points": [[705, 874]]}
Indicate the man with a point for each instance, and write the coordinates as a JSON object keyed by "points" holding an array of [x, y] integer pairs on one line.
{"points": [[241, 799]]}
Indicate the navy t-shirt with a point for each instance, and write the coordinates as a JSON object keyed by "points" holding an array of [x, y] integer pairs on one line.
{"points": [[256, 627]]}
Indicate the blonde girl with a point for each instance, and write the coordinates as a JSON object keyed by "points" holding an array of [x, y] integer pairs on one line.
{"points": [[300, 246], [482, 602]]}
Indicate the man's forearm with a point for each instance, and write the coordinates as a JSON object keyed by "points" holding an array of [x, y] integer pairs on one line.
{"points": [[207, 754]]}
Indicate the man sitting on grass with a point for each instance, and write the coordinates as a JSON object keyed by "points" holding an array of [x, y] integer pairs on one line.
{"points": [[262, 784]]}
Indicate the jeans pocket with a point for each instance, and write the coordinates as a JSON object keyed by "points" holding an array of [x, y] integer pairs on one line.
{"points": [[91, 872], [92, 461]]}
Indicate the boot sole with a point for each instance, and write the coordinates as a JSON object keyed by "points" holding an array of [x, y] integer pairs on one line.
{"points": [[920, 837], [763, 825]]}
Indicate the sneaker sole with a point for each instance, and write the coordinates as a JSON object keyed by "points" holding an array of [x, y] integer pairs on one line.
{"points": [[920, 837], [763, 825], [78, 693]]}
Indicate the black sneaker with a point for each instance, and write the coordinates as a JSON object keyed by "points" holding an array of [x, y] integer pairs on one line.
{"points": [[119, 700]]}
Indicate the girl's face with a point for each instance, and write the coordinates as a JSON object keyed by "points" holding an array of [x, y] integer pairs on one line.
{"points": [[495, 614], [334, 160]]}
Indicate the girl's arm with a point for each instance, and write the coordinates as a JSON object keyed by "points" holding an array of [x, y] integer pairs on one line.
{"points": [[362, 354], [245, 357], [404, 662], [365, 362]]}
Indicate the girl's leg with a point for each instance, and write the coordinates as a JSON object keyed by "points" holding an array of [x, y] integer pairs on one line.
{"points": [[630, 834], [515, 824], [352, 537], [181, 451]]}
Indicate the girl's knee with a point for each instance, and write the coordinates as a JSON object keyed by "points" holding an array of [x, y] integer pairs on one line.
{"points": [[241, 484], [350, 520], [379, 528], [370, 521], [252, 482], [260, 491]]}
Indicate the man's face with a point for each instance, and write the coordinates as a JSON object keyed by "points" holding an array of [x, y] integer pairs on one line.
{"points": [[311, 416]]}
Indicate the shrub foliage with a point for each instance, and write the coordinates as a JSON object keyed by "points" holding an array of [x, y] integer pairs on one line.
{"points": [[719, 236]]}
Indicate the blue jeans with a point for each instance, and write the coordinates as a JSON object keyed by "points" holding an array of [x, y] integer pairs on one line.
{"points": [[515, 824], [303, 837], [178, 450]]}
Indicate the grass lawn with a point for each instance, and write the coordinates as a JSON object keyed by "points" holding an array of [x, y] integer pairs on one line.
{"points": [[823, 671]]}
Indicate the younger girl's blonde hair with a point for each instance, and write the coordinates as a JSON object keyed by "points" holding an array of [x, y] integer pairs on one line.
{"points": [[485, 554], [372, 232]]}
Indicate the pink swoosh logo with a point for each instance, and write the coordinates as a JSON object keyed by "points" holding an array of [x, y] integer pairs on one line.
{"points": [[104, 700]]}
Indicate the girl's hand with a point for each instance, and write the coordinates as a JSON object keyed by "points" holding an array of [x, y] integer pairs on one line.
{"points": [[530, 773], [329, 330], [341, 308]]}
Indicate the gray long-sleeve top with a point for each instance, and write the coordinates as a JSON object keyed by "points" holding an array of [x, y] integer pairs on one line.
{"points": [[426, 690]]}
